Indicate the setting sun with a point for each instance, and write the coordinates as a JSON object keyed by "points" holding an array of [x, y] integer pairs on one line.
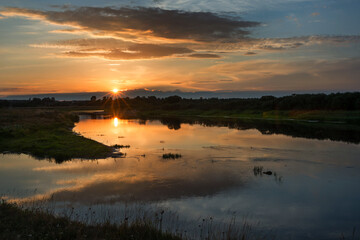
{"points": [[115, 90]]}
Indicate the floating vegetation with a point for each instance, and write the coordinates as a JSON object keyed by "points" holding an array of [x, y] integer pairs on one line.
{"points": [[268, 173], [118, 154], [171, 156], [259, 171], [117, 146]]}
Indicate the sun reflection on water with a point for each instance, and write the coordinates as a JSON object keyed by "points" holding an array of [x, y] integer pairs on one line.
{"points": [[116, 121]]}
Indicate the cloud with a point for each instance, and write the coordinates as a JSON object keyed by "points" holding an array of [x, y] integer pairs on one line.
{"points": [[314, 14], [204, 55], [250, 53], [141, 24], [276, 44], [84, 43], [225, 5], [294, 19], [136, 51], [12, 89], [115, 49], [285, 75], [145, 33]]}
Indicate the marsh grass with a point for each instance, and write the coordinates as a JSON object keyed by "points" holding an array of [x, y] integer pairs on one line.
{"points": [[171, 156], [117, 146], [42, 219], [20, 223], [353, 236], [259, 171], [46, 134]]}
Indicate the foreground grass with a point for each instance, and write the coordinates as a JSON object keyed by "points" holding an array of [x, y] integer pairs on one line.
{"points": [[46, 134], [17, 223]]}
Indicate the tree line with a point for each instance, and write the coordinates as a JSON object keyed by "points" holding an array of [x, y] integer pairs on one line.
{"points": [[349, 101]]}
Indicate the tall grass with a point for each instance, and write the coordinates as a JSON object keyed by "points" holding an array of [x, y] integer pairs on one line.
{"points": [[45, 220]]}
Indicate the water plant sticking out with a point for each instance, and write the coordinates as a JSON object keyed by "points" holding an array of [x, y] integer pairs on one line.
{"points": [[117, 146], [171, 156]]}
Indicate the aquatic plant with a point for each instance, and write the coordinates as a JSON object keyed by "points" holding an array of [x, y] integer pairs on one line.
{"points": [[258, 170], [171, 156], [117, 146]]}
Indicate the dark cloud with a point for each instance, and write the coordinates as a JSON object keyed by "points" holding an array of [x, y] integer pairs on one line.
{"points": [[204, 55], [12, 89], [250, 53], [116, 49], [136, 51], [154, 22], [105, 43], [145, 33]]}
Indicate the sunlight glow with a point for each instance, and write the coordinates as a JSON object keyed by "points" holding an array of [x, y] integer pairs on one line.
{"points": [[116, 121], [115, 90]]}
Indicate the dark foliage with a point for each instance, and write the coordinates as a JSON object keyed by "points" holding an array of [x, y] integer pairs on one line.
{"points": [[17, 223], [336, 101]]}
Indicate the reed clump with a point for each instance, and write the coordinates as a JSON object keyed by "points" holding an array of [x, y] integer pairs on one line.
{"points": [[171, 156], [21, 223]]}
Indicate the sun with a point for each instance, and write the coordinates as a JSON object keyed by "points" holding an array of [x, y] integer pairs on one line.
{"points": [[115, 90]]}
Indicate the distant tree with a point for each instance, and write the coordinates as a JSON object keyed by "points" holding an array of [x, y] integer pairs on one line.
{"points": [[93, 98], [173, 99]]}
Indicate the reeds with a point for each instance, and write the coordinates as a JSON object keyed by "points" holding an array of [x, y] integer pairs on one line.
{"points": [[171, 156]]}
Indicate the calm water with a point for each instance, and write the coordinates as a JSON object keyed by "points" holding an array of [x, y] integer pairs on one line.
{"points": [[314, 193]]}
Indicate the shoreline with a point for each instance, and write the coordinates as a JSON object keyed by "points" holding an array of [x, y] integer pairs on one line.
{"points": [[47, 134]]}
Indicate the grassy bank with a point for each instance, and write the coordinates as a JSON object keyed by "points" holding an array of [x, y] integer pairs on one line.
{"points": [[17, 223], [321, 116], [335, 126], [46, 134]]}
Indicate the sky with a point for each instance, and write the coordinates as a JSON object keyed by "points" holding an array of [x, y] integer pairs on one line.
{"points": [[49, 46]]}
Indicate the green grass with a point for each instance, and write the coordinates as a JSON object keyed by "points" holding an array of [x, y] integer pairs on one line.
{"points": [[348, 117], [18, 223], [46, 134]]}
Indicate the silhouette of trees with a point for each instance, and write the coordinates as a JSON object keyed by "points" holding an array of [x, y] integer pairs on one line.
{"points": [[335, 101]]}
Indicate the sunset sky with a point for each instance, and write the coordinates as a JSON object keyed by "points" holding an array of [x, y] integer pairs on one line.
{"points": [[49, 46]]}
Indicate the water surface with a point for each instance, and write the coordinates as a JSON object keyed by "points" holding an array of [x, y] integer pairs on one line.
{"points": [[313, 194]]}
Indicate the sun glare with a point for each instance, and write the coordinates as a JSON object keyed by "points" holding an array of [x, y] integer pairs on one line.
{"points": [[116, 122], [115, 90]]}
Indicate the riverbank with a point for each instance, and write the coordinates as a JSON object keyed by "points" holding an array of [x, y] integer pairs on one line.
{"points": [[18, 223], [311, 116], [46, 133]]}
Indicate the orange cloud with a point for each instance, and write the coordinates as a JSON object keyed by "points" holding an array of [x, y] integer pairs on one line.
{"points": [[285, 75]]}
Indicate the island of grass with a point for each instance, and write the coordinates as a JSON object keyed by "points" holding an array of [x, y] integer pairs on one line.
{"points": [[46, 133], [18, 223]]}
